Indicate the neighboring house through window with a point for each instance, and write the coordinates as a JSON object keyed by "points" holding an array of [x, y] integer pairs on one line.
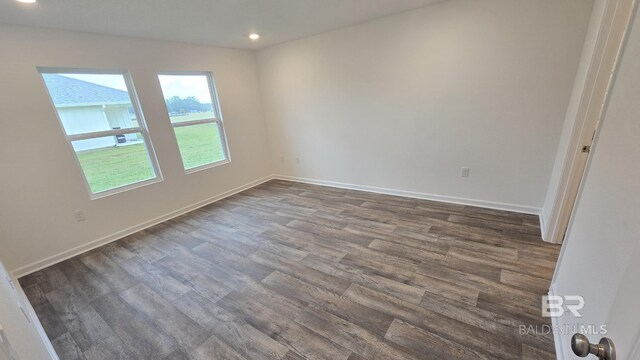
{"points": [[99, 114]]}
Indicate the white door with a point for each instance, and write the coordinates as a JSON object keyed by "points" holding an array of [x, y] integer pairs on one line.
{"points": [[600, 259], [19, 335]]}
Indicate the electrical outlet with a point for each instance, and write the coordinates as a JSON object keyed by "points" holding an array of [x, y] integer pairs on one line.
{"points": [[79, 215], [464, 172], [298, 160]]}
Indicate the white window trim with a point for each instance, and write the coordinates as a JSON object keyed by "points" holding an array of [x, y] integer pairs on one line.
{"points": [[218, 120], [141, 128]]}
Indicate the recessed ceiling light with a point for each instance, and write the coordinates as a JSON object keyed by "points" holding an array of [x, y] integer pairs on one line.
{"points": [[254, 36], [27, 1]]}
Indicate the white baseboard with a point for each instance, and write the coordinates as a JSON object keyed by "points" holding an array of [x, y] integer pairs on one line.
{"points": [[418, 195], [543, 226], [557, 339], [41, 264]]}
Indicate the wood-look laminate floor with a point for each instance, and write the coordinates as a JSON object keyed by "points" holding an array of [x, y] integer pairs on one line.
{"points": [[294, 271]]}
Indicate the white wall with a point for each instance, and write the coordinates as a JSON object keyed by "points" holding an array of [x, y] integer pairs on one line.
{"points": [[405, 101], [41, 185], [599, 258]]}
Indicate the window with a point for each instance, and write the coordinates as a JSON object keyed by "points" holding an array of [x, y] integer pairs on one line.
{"points": [[195, 116], [101, 118]]}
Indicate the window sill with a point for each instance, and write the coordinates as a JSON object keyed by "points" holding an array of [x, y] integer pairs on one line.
{"points": [[95, 196], [208, 166]]}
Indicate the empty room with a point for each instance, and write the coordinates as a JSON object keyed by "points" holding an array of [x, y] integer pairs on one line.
{"points": [[335, 179]]}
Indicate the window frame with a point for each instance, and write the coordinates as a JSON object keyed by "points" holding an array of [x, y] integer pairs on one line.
{"points": [[215, 102], [142, 128]]}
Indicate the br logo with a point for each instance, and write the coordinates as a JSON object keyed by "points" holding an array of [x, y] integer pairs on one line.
{"points": [[556, 306]]}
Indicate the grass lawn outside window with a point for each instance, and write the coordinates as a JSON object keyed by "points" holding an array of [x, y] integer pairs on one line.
{"points": [[112, 167]]}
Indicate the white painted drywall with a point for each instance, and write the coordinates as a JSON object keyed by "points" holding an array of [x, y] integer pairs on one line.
{"points": [[20, 332], [40, 183], [599, 259], [405, 101]]}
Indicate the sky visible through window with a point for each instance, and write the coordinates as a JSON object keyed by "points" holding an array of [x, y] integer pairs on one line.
{"points": [[181, 86], [184, 86]]}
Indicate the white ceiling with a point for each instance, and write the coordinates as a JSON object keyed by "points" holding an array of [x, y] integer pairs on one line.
{"points": [[213, 22]]}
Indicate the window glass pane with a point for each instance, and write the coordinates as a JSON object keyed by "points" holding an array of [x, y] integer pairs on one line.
{"points": [[108, 164], [89, 103], [199, 144], [188, 97]]}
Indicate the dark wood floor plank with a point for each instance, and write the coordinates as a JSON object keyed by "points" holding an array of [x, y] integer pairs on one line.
{"points": [[493, 224], [109, 348], [322, 230], [87, 328], [428, 344], [526, 282], [215, 349], [532, 353], [139, 336], [67, 348], [209, 287], [138, 244], [231, 259], [428, 283], [295, 242], [296, 337], [526, 312], [157, 279], [114, 275], [292, 355], [50, 320], [66, 299], [406, 252], [513, 265], [84, 282], [34, 293], [496, 322], [287, 306], [350, 336], [295, 271], [292, 287], [174, 231], [442, 326], [241, 336], [369, 279], [116, 252], [408, 220], [480, 283], [166, 316]]}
